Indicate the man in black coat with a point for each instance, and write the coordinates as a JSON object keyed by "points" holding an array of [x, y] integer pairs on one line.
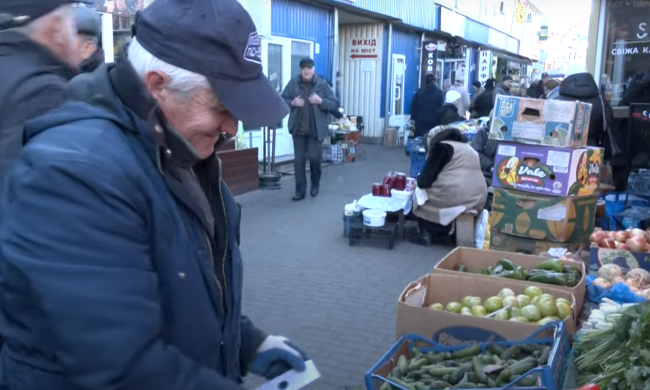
{"points": [[311, 100], [425, 106], [485, 102], [38, 56], [89, 30]]}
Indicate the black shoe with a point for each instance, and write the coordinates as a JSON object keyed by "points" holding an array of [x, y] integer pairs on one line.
{"points": [[423, 239], [298, 197], [314, 191]]}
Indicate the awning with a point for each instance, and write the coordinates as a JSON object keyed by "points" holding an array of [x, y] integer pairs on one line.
{"points": [[507, 55], [439, 34]]}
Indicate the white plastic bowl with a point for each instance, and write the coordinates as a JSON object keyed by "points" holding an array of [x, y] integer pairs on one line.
{"points": [[404, 195], [374, 218]]}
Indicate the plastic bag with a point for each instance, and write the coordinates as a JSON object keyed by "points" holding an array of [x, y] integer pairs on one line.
{"points": [[481, 227], [619, 292]]}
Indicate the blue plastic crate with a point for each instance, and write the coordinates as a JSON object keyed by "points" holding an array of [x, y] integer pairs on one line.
{"points": [[416, 167], [549, 377]]}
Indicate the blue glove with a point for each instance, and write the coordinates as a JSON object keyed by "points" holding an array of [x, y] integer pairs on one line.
{"points": [[276, 356]]}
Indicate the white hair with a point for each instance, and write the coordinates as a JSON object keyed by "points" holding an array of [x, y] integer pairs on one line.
{"points": [[65, 12], [180, 80]]}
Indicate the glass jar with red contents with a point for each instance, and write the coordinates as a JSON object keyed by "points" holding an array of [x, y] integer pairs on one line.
{"points": [[389, 179], [399, 182], [376, 189], [385, 190]]}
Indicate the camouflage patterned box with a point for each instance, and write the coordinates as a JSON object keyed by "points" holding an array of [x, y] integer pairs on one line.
{"points": [[547, 170], [540, 122], [543, 217]]}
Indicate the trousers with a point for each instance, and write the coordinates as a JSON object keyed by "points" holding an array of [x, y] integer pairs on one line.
{"points": [[306, 148]]}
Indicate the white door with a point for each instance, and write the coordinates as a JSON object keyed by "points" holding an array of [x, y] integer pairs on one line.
{"points": [[280, 61], [397, 116]]}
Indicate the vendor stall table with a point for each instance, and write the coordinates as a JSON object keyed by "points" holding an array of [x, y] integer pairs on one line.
{"points": [[392, 206]]}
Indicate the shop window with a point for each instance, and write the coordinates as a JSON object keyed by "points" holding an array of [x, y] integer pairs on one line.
{"points": [[625, 76], [121, 33]]}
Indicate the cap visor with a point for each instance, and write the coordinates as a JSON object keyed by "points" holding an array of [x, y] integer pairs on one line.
{"points": [[255, 102]]}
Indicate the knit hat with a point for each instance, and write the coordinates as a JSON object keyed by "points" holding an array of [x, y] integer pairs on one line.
{"points": [[451, 96]]}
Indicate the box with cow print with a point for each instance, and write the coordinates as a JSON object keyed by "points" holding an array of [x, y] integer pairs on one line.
{"points": [[547, 170]]}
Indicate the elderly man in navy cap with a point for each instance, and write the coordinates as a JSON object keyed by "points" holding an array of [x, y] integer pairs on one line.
{"points": [[38, 55], [120, 265], [89, 31]]}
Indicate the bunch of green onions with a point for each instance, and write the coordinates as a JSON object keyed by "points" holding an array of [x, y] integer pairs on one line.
{"points": [[618, 357]]}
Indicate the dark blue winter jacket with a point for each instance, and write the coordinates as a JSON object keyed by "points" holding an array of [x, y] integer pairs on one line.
{"points": [[111, 277]]}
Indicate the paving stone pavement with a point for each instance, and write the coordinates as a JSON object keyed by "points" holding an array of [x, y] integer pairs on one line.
{"points": [[303, 281]]}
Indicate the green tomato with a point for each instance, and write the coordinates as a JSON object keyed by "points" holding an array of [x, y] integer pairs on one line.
{"points": [[466, 311], [563, 310], [546, 307], [546, 320], [479, 311], [563, 300], [533, 291], [437, 306], [502, 315], [506, 292], [531, 313], [523, 300], [547, 296], [515, 312], [493, 304], [510, 301], [453, 307]]}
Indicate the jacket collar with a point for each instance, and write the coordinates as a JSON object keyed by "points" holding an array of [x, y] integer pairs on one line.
{"points": [[18, 44]]}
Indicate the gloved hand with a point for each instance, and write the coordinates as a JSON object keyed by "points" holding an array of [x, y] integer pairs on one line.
{"points": [[276, 356]]}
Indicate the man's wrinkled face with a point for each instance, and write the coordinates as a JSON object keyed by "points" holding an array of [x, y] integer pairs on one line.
{"points": [[59, 34], [307, 73], [198, 115], [508, 83]]}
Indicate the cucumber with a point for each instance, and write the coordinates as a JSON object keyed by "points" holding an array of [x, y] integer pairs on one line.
{"points": [[420, 386], [405, 385], [492, 384], [434, 358], [503, 378], [521, 368], [478, 370], [531, 348], [472, 377], [543, 359], [442, 371], [530, 380], [417, 363], [511, 353], [385, 386], [446, 378], [457, 375], [451, 363], [439, 385], [467, 352], [415, 352], [465, 385], [402, 364], [414, 374], [396, 373], [496, 349]]}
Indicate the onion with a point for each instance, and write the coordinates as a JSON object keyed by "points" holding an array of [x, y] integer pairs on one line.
{"points": [[597, 236], [637, 243], [638, 233], [622, 246], [610, 235], [621, 236], [608, 243]]}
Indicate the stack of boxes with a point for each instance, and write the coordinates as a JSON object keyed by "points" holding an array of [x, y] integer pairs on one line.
{"points": [[545, 179]]}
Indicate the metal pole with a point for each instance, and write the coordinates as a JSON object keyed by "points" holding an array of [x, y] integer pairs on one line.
{"points": [[389, 72], [335, 49], [420, 62]]}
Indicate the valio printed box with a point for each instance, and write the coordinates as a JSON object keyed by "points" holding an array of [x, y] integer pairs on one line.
{"points": [[540, 122], [547, 170]]}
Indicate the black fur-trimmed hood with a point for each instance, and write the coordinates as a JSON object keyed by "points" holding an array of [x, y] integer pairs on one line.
{"points": [[447, 134]]}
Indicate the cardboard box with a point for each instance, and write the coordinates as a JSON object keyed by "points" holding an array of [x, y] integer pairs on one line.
{"points": [[540, 122], [529, 246], [624, 259], [547, 170], [543, 217], [414, 316], [478, 259]]}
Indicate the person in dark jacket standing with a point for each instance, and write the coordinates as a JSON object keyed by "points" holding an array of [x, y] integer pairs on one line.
{"points": [[448, 113], [580, 85], [89, 30], [485, 102], [486, 149], [425, 105], [133, 276], [539, 89], [503, 88], [38, 56], [311, 100]]}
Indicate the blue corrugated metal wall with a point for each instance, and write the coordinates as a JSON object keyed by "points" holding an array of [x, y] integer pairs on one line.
{"points": [[408, 44], [417, 13], [293, 19]]}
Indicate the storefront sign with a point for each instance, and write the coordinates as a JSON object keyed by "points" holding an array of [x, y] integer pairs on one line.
{"points": [[451, 22], [484, 65], [362, 49], [543, 33], [631, 49], [520, 12], [429, 56]]}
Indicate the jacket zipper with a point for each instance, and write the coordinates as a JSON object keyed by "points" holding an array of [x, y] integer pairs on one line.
{"points": [[225, 252], [214, 275]]}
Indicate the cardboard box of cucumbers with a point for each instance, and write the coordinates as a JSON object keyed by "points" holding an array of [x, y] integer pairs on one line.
{"points": [[563, 274], [460, 308]]}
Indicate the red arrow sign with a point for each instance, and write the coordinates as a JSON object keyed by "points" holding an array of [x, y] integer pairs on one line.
{"points": [[353, 56]]}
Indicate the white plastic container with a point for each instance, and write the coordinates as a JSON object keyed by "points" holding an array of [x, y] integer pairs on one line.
{"points": [[374, 218], [404, 195]]}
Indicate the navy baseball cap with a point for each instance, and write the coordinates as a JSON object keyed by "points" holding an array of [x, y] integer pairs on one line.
{"points": [[216, 39], [17, 13], [88, 22]]}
